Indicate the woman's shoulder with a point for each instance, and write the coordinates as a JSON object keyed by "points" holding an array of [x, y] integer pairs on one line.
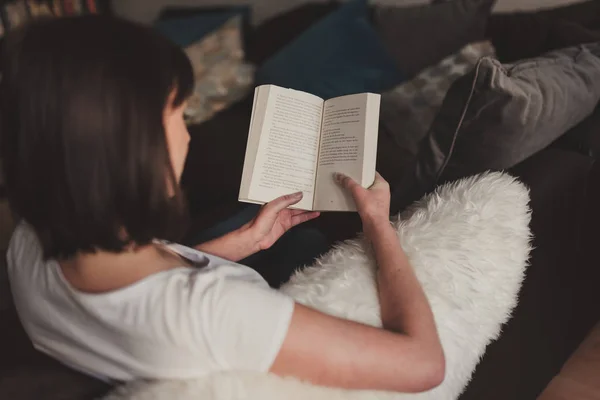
{"points": [[38, 277]]}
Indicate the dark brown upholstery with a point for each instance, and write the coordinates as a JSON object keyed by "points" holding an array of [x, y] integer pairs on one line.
{"points": [[558, 304], [584, 138], [26, 374], [529, 34]]}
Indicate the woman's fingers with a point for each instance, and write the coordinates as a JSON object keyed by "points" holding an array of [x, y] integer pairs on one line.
{"points": [[349, 184], [345, 181], [304, 216], [296, 212], [379, 181]]}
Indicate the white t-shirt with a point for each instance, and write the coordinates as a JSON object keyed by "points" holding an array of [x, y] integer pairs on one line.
{"points": [[181, 323]]}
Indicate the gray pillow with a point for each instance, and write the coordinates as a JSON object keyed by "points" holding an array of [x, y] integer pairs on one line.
{"points": [[497, 116], [418, 37], [408, 110]]}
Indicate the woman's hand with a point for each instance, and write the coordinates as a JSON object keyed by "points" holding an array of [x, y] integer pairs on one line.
{"points": [[373, 204], [274, 219]]}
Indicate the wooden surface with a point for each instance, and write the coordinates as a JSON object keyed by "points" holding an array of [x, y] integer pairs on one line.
{"points": [[580, 377]]}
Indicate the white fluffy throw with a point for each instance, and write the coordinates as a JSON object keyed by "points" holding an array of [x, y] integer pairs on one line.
{"points": [[469, 243]]}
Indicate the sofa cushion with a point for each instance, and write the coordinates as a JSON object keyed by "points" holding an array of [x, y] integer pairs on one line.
{"points": [[527, 35], [221, 75], [420, 36], [499, 115], [408, 110], [583, 12], [213, 41], [503, 6], [274, 34], [339, 55]]}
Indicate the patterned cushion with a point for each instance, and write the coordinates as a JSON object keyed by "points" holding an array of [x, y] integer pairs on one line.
{"points": [[222, 76], [408, 110]]}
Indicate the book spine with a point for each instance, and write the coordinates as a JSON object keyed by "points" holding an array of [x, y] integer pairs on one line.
{"points": [[57, 8], [91, 6], [77, 7], [38, 8], [68, 7], [16, 14]]}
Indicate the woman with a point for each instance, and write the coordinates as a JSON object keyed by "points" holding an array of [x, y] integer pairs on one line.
{"points": [[93, 146]]}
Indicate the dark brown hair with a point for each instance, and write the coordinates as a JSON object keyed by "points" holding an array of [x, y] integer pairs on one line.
{"points": [[82, 138]]}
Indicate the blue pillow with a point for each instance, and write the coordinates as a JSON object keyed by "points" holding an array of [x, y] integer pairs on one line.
{"points": [[187, 30], [339, 55]]}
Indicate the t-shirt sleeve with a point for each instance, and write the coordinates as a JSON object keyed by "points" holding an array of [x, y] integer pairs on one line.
{"points": [[243, 321]]}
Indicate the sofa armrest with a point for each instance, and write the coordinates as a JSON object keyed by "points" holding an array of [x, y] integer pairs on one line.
{"points": [[558, 301]]}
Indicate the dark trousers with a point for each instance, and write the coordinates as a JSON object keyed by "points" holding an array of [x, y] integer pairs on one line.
{"points": [[296, 248]]}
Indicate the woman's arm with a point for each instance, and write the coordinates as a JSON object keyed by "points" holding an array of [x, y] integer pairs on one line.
{"points": [[272, 221], [234, 246], [405, 356]]}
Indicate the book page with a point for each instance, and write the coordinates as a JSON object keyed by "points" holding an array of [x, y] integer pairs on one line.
{"points": [[286, 145], [348, 145]]}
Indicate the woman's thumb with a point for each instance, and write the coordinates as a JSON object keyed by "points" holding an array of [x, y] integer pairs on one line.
{"points": [[283, 202]]}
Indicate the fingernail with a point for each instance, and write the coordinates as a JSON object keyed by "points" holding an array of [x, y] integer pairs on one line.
{"points": [[337, 177], [298, 195]]}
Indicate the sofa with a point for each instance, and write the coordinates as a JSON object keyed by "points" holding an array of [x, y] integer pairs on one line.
{"points": [[557, 304]]}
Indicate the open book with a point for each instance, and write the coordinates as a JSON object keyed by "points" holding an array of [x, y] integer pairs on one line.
{"points": [[297, 141]]}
